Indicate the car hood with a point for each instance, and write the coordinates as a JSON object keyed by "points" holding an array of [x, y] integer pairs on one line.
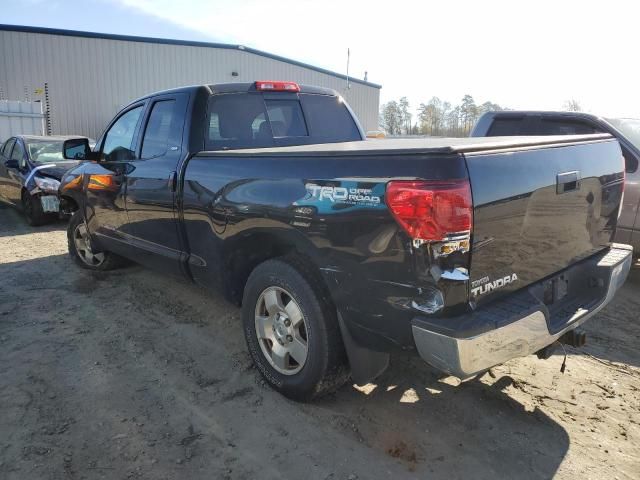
{"points": [[55, 170]]}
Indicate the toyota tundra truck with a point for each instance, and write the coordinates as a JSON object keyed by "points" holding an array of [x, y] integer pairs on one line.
{"points": [[341, 250]]}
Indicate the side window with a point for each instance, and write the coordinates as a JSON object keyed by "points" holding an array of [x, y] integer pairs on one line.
{"points": [[6, 150], [18, 154], [159, 127], [118, 142], [286, 118]]}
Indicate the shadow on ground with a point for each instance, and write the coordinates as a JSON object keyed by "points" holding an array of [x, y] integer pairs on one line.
{"points": [[128, 370], [14, 224], [132, 374]]}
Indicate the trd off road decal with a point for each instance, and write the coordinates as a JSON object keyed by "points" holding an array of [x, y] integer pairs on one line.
{"points": [[351, 196], [348, 193], [485, 285]]}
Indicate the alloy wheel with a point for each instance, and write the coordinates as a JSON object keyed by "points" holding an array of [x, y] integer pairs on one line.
{"points": [[82, 242], [281, 330]]}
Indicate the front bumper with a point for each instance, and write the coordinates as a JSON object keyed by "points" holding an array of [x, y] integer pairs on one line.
{"points": [[522, 323]]}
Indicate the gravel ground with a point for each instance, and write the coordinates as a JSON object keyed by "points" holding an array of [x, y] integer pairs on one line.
{"points": [[134, 375]]}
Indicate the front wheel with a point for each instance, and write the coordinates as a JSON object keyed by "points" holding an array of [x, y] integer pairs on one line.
{"points": [[82, 251], [292, 331], [32, 209]]}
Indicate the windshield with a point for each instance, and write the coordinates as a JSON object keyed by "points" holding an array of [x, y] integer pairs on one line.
{"points": [[45, 151], [629, 127]]}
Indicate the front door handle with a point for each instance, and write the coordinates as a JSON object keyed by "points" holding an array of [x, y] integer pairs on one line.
{"points": [[567, 182]]}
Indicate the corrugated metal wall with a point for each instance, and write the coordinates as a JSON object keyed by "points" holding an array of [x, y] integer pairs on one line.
{"points": [[89, 79], [24, 118]]}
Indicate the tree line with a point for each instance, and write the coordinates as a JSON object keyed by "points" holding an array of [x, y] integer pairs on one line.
{"points": [[435, 118]]}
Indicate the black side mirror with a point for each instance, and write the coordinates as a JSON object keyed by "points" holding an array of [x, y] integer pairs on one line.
{"points": [[11, 163], [77, 149]]}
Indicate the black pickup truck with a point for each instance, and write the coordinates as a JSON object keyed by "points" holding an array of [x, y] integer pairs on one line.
{"points": [[339, 249]]}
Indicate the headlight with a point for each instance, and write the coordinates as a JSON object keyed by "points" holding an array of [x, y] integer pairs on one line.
{"points": [[47, 184]]}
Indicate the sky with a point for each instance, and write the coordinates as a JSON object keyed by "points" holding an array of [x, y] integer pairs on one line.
{"points": [[521, 55]]}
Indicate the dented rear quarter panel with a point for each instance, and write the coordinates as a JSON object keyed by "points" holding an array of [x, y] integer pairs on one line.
{"points": [[334, 214]]}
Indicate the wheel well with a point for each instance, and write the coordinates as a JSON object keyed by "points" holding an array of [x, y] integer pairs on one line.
{"points": [[68, 204], [249, 252]]}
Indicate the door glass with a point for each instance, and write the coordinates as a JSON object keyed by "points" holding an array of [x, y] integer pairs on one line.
{"points": [[156, 135], [118, 143], [18, 154], [6, 151]]}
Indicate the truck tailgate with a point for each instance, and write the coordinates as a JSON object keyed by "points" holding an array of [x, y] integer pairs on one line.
{"points": [[537, 211]]}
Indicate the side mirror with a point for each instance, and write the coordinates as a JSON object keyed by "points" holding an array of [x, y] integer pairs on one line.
{"points": [[77, 149], [11, 163]]}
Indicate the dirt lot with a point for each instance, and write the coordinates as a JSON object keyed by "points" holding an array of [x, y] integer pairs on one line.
{"points": [[133, 375]]}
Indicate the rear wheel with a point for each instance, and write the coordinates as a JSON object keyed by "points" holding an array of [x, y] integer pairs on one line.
{"points": [[292, 331], [32, 209], [81, 248]]}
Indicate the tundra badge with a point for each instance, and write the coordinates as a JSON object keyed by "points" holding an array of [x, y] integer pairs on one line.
{"points": [[485, 285]]}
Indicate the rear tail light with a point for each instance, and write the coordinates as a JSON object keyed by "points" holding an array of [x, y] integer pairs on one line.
{"points": [[271, 86], [432, 211]]}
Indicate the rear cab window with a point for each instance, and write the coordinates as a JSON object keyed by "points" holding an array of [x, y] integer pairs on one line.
{"points": [[506, 127], [560, 126], [538, 125], [259, 120]]}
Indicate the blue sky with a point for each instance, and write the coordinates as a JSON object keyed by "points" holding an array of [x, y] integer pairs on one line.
{"points": [[532, 55]]}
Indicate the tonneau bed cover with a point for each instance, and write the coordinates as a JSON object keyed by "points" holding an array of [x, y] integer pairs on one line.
{"points": [[417, 145]]}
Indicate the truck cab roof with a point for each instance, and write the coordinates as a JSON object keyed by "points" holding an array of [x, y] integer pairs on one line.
{"points": [[233, 87]]}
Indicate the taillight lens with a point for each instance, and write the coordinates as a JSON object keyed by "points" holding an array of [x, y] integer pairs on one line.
{"points": [[431, 210]]}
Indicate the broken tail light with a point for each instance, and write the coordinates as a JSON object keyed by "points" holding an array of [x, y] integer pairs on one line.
{"points": [[432, 211]]}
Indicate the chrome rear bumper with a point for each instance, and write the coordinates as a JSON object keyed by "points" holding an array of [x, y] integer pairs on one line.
{"points": [[526, 333]]}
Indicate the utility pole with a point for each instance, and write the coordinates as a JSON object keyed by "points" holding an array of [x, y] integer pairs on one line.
{"points": [[348, 58]]}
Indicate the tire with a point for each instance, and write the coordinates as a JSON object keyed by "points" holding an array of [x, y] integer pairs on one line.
{"points": [[78, 240], [32, 209], [276, 350]]}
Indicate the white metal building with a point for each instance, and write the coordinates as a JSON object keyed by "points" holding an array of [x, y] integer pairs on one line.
{"points": [[83, 78]]}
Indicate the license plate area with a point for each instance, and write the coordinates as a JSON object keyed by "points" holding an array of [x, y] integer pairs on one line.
{"points": [[50, 203], [555, 289]]}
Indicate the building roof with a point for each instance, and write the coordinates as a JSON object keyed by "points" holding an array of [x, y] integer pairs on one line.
{"points": [[167, 41]]}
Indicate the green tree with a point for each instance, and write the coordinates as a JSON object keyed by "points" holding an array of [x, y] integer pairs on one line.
{"points": [[488, 107], [469, 112], [392, 118], [405, 114], [572, 105]]}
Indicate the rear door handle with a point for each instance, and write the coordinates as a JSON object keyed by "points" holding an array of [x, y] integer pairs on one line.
{"points": [[567, 182]]}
